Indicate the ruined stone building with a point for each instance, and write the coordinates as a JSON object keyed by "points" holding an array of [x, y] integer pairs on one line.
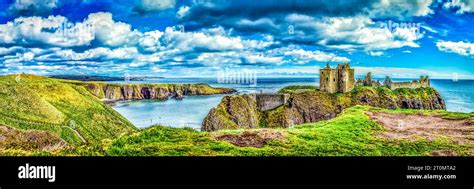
{"points": [[423, 82], [367, 81], [340, 79]]}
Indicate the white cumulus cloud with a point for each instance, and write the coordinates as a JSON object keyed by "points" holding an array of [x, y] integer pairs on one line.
{"points": [[400, 9], [301, 56], [460, 47], [58, 31], [354, 33], [112, 33], [155, 5], [375, 53], [50, 30], [182, 11], [462, 6], [187, 41], [33, 5]]}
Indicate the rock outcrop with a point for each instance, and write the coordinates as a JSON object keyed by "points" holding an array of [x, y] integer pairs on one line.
{"points": [[239, 111], [115, 92], [178, 95]]}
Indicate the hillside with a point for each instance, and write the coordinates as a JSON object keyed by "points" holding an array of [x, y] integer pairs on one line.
{"points": [[351, 133], [70, 111]]}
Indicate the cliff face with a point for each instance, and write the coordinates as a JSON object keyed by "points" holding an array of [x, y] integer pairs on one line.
{"points": [[152, 91], [314, 105], [238, 111]]}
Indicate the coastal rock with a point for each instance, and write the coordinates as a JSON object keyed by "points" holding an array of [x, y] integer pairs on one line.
{"points": [[127, 92], [96, 89], [178, 95], [235, 112], [238, 111], [159, 93], [311, 107], [113, 92], [145, 91], [116, 92]]}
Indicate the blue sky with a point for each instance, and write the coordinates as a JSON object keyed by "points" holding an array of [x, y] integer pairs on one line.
{"points": [[199, 38]]}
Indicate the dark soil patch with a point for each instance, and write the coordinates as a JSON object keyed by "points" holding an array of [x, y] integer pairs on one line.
{"points": [[257, 138], [414, 126], [11, 138], [444, 153]]}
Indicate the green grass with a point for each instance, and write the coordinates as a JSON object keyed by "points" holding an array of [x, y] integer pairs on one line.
{"points": [[40, 103], [296, 88], [439, 113], [352, 133]]}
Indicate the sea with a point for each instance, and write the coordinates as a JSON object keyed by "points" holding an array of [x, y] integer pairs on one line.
{"points": [[191, 111]]}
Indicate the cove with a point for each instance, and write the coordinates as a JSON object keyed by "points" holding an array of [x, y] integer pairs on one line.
{"points": [[189, 112]]}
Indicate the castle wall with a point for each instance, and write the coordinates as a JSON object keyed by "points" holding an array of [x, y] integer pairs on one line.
{"points": [[346, 80], [351, 80], [270, 101], [422, 83], [328, 81]]}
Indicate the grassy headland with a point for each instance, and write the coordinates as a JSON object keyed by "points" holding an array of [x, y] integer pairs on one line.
{"points": [[40, 103]]}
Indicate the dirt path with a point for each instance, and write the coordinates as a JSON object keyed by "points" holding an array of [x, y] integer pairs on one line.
{"points": [[413, 126], [78, 134]]}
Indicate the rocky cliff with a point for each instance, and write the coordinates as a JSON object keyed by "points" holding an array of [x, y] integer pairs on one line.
{"points": [[239, 111], [152, 91]]}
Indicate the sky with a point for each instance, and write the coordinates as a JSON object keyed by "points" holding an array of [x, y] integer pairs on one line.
{"points": [[200, 38]]}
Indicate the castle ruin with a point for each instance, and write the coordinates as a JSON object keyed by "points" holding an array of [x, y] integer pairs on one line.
{"points": [[341, 79], [367, 81], [422, 83]]}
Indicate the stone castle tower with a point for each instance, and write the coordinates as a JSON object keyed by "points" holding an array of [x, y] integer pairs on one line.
{"points": [[340, 79]]}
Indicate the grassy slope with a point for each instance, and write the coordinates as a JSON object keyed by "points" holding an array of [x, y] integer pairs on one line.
{"points": [[352, 133], [295, 88], [41, 103]]}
